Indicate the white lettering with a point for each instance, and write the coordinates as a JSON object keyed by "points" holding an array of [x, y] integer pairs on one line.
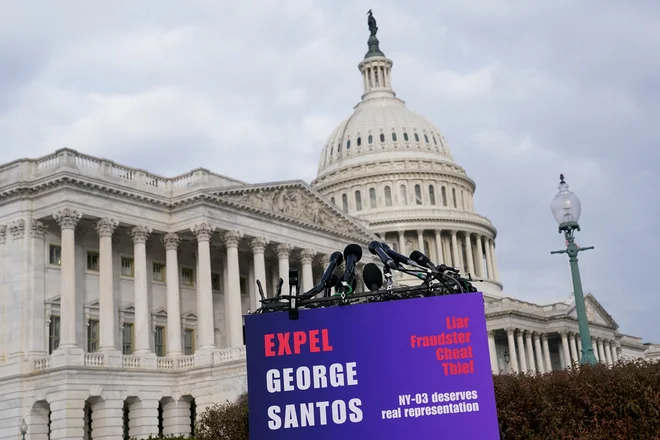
{"points": [[272, 382], [288, 379], [303, 378], [337, 375], [290, 416], [338, 412], [275, 421], [356, 411]]}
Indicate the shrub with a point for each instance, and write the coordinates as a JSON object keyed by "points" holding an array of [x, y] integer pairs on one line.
{"points": [[226, 421], [586, 403]]}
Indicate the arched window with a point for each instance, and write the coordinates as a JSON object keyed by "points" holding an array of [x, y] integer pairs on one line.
{"points": [[405, 136], [463, 199], [432, 194], [338, 147], [393, 137], [388, 196], [434, 141], [370, 139], [344, 202], [418, 194], [416, 137], [372, 198], [453, 193], [444, 196], [382, 137], [348, 144], [403, 195], [358, 201], [426, 138], [359, 141]]}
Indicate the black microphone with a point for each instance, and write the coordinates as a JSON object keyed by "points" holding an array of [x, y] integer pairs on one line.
{"points": [[397, 257], [352, 254], [423, 260], [335, 260], [376, 248], [372, 276], [334, 279]]}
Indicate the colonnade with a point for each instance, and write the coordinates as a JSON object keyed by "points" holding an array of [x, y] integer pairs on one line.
{"points": [[203, 232], [471, 252], [530, 351]]}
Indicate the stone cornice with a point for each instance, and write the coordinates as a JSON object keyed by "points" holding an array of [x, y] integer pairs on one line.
{"points": [[436, 221], [542, 319]]}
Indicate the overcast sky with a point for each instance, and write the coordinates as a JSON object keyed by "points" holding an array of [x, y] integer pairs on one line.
{"points": [[522, 90]]}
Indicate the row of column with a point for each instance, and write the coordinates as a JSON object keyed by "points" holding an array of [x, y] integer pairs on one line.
{"points": [[533, 352], [68, 219], [478, 249], [605, 350]]}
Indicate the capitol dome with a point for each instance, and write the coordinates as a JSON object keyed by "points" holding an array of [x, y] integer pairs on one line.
{"points": [[392, 169]]}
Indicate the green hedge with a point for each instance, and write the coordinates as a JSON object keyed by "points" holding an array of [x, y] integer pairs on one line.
{"points": [[585, 403]]}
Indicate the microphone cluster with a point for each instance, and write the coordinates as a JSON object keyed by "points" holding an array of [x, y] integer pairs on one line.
{"points": [[435, 279]]}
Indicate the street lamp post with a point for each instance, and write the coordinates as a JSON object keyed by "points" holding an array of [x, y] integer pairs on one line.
{"points": [[566, 208], [24, 429]]}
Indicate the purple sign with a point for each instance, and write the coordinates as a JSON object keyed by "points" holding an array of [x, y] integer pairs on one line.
{"points": [[406, 369]]}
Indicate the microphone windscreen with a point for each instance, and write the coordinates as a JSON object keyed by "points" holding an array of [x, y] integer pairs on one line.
{"points": [[353, 249], [419, 258], [338, 257], [333, 280], [372, 276]]}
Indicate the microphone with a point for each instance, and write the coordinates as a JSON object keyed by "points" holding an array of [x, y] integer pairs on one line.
{"points": [[397, 257], [352, 254], [335, 260], [376, 248], [334, 279], [423, 260], [372, 276]]}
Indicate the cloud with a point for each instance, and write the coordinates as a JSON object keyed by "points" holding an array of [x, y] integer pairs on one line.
{"points": [[522, 91]]}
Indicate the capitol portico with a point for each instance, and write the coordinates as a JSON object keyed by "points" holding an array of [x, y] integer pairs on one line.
{"points": [[122, 292]]}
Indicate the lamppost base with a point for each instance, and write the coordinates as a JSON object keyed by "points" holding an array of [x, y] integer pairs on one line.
{"points": [[588, 358]]}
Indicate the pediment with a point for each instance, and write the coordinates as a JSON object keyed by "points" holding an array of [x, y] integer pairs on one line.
{"points": [[295, 202], [596, 313], [160, 313], [189, 315]]}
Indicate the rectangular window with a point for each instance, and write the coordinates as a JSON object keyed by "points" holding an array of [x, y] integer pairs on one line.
{"points": [[55, 255], [188, 341], [92, 261], [127, 339], [159, 341], [53, 334], [187, 277], [215, 281], [244, 286], [93, 336], [127, 267], [159, 272]]}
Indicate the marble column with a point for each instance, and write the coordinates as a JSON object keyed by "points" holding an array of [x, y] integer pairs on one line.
{"points": [[68, 219], [492, 349], [530, 351], [565, 347], [283, 252], [513, 357], [258, 246], [539, 353], [601, 352], [546, 352], [108, 329], [233, 306], [615, 352], [521, 352], [489, 261], [579, 346], [306, 256], [438, 246], [469, 267], [594, 345], [496, 272], [480, 257], [608, 353], [420, 241], [174, 332], [139, 234], [205, 324], [454, 251], [573, 347], [402, 242]]}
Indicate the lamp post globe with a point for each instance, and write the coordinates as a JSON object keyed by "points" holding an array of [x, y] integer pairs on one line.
{"points": [[24, 428], [566, 208]]}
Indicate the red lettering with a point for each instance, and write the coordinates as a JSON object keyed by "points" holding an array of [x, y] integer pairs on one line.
{"points": [[314, 341], [269, 342], [325, 340], [283, 341], [299, 338]]}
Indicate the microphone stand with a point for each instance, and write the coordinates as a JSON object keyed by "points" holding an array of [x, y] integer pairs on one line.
{"points": [[387, 273], [293, 293]]}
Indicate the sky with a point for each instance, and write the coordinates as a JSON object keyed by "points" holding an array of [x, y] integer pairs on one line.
{"points": [[522, 91]]}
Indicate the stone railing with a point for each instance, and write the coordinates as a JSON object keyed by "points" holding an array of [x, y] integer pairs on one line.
{"points": [[42, 363], [94, 359], [229, 354], [130, 361], [186, 361], [26, 170]]}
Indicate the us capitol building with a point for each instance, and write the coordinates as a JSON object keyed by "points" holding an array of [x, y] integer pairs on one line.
{"points": [[122, 291]]}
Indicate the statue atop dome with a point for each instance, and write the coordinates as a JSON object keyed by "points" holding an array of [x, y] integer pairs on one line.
{"points": [[371, 21], [374, 50]]}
